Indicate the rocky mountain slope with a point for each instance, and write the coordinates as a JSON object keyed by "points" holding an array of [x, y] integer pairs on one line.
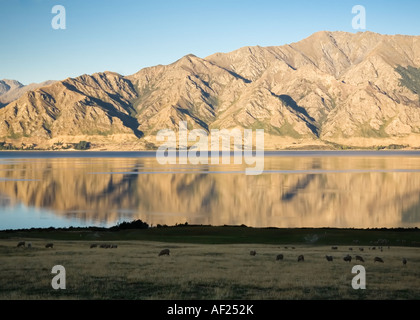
{"points": [[11, 90], [8, 85], [333, 88]]}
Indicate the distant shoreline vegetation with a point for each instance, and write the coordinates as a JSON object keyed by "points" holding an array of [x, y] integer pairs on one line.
{"points": [[139, 224], [88, 146], [226, 234], [80, 146]]}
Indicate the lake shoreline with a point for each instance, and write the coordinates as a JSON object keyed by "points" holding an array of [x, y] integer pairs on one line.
{"points": [[206, 234], [303, 149], [150, 153]]}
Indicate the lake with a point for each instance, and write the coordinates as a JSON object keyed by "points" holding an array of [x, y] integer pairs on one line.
{"points": [[349, 189]]}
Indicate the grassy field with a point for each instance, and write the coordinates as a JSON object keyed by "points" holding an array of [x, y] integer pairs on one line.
{"points": [[227, 235], [209, 263]]}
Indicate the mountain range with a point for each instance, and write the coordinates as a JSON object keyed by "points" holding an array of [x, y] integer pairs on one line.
{"points": [[330, 90], [11, 90]]}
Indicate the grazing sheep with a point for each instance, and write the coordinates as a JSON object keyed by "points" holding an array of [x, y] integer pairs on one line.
{"points": [[93, 245], [329, 258], [347, 258], [404, 261], [279, 257], [351, 249], [286, 247], [301, 258], [334, 248], [49, 245], [21, 244], [164, 252], [373, 248], [293, 248], [29, 245], [103, 245], [377, 259], [359, 258], [253, 253], [361, 249], [114, 246]]}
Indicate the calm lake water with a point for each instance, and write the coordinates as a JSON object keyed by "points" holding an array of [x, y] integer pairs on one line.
{"points": [[297, 189]]}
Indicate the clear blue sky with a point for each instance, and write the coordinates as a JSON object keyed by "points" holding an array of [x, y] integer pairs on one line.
{"points": [[127, 35]]}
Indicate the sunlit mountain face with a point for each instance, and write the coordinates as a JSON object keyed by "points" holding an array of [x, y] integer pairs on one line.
{"points": [[359, 90]]}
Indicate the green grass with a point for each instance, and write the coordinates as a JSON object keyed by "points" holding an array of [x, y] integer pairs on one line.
{"points": [[337, 146], [410, 78], [285, 130], [14, 135], [368, 132], [97, 132], [196, 271], [208, 263], [227, 235], [142, 95], [82, 145]]}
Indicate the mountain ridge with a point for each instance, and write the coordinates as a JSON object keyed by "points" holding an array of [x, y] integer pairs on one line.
{"points": [[11, 90], [332, 88]]}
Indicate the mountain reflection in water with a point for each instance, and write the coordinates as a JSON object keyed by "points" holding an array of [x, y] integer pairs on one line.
{"points": [[296, 190]]}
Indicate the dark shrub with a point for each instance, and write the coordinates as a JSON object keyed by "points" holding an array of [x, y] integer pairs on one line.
{"points": [[136, 224], [82, 145]]}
